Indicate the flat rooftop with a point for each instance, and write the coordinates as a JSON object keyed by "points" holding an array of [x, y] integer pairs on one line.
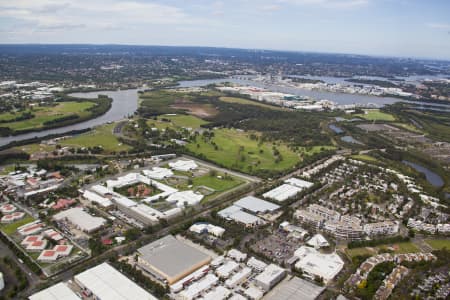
{"points": [[80, 218], [295, 288], [256, 205], [105, 282], [172, 259], [59, 291]]}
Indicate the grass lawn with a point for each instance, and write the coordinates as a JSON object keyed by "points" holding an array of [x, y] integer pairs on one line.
{"points": [[406, 247], [364, 157], [44, 114], [7, 169], [187, 121], [10, 229], [100, 136], [376, 115], [438, 244], [250, 102], [9, 116], [237, 150], [409, 127], [361, 251], [217, 184], [33, 148]]}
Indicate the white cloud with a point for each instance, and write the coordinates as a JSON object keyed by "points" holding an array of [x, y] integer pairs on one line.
{"points": [[99, 14], [445, 26], [329, 3], [271, 7]]}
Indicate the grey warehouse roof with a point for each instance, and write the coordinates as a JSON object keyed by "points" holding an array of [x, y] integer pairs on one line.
{"points": [[171, 256], [295, 288], [256, 205]]}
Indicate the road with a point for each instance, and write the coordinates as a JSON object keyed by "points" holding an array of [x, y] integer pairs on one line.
{"points": [[33, 279], [223, 170], [121, 249], [132, 246]]}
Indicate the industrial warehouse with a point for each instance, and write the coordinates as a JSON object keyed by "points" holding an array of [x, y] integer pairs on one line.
{"points": [[250, 211], [100, 282], [171, 259]]}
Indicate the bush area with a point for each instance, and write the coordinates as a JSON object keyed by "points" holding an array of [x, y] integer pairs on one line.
{"points": [[58, 115], [435, 123], [12, 117], [368, 287], [19, 254], [138, 277], [14, 278], [373, 243]]}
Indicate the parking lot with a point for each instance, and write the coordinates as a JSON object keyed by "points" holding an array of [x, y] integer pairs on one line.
{"points": [[277, 246]]}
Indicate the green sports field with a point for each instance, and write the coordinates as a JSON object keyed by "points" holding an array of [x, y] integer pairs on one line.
{"points": [[219, 185], [404, 247], [376, 115]]}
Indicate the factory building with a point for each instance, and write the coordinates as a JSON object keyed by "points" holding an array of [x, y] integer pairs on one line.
{"points": [[270, 277], [105, 282], [170, 259]]}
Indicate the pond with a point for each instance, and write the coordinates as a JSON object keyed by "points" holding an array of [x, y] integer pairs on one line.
{"points": [[351, 140], [335, 128], [433, 178]]}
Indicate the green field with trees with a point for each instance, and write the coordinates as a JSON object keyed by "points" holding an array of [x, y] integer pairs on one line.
{"points": [[178, 120], [438, 244], [44, 114], [376, 115], [247, 151], [225, 182], [53, 115], [100, 136], [250, 102]]}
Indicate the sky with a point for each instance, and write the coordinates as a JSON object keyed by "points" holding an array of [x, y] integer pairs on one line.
{"points": [[405, 28]]}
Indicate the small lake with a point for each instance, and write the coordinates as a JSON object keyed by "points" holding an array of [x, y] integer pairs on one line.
{"points": [[335, 128], [125, 102], [433, 178], [351, 140]]}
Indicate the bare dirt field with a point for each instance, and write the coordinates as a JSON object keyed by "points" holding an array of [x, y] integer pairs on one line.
{"points": [[198, 110]]}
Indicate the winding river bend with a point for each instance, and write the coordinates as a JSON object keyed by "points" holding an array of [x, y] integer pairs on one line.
{"points": [[125, 102]]}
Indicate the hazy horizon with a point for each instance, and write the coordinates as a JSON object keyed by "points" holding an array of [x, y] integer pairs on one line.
{"points": [[388, 28]]}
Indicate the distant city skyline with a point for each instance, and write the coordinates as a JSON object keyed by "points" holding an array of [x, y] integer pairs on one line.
{"points": [[419, 29]]}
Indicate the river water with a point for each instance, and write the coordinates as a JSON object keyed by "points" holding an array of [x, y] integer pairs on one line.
{"points": [[125, 102], [339, 98]]}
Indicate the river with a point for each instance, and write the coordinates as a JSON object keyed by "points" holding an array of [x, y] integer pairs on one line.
{"points": [[433, 178], [125, 102], [339, 98]]}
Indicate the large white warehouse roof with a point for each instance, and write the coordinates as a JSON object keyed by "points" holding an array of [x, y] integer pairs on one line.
{"points": [[105, 282], [59, 291], [283, 192], [313, 262], [256, 205]]}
